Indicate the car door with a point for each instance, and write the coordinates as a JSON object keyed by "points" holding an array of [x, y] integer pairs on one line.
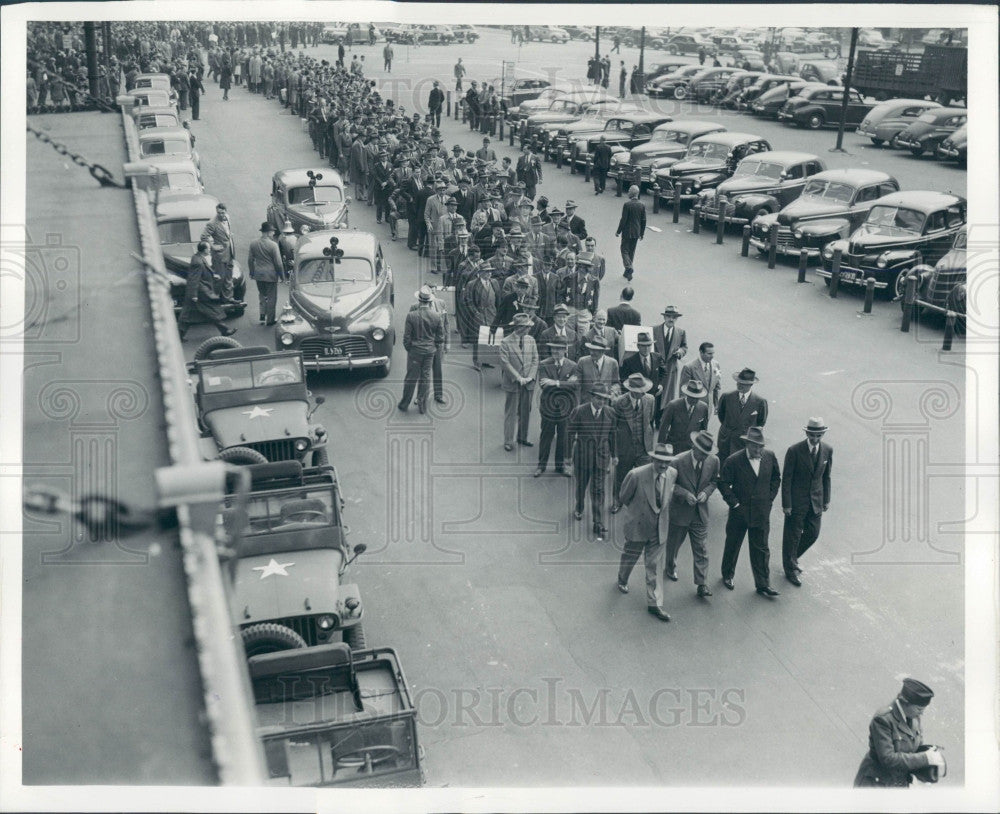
{"points": [[791, 185], [856, 108], [641, 133], [940, 230], [863, 199]]}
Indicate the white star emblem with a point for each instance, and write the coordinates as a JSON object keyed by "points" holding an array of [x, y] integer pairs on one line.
{"points": [[257, 412], [273, 567]]}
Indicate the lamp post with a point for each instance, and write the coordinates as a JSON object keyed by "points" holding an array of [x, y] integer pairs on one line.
{"points": [[642, 51], [847, 91]]}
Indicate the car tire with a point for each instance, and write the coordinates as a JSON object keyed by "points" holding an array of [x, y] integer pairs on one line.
{"points": [[270, 637], [321, 457], [205, 349], [242, 456], [354, 636], [877, 141], [680, 92], [672, 50], [917, 151], [898, 287], [816, 121]]}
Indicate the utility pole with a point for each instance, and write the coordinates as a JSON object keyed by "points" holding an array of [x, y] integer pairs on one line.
{"points": [[847, 91], [642, 67], [90, 45], [597, 43]]}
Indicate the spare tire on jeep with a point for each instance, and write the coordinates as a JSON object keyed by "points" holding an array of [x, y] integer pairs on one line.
{"points": [[214, 343], [242, 456], [270, 637]]}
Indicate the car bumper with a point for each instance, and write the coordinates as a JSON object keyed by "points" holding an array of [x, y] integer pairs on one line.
{"points": [[785, 117], [341, 362], [728, 217], [906, 144], [784, 247], [867, 132], [948, 152], [850, 275]]}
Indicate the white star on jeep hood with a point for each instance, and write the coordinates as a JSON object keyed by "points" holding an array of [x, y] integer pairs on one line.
{"points": [[257, 412], [273, 567]]}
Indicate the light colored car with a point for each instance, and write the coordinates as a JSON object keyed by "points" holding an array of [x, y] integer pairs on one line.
{"points": [[888, 119], [168, 141], [313, 197]]}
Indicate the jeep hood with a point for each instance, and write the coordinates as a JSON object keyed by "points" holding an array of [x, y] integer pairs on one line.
{"points": [[268, 594], [252, 423]]}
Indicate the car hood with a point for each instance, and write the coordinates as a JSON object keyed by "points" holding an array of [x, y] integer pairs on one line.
{"points": [[952, 261], [177, 256], [552, 118], [332, 312], [321, 213], [652, 149], [233, 427], [693, 165], [735, 186], [311, 574], [809, 208], [862, 242]]}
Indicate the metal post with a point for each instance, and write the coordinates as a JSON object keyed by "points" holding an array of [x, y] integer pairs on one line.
{"points": [[847, 89], [642, 51], [696, 222], [720, 227], [869, 294], [835, 274], [90, 44], [500, 125], [448, 109], [655, 190], [618, 185], [949, 330], [597, 43], [772, 247], [677, 203], [745, 245], [803, 264], [493, 125], [909, 298], [510, 132]]}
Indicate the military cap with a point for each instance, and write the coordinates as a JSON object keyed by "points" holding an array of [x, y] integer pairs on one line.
{"points": [[916, 692]]}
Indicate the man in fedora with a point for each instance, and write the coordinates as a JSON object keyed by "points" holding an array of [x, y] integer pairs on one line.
{"points": [[896, 751], [598, 367], [749, 481], [645, 494], [591, 435], [805, 495], [670, 342], [647, 362], [561, 330], [558, 382], [705, 370], [633, 428], [739, 410], [576, 224], [632, 228], [684, 417], [480, 300], [434, 209], [266, 268], [697, 474], [423, 334], [518, 368], [437, 365]]}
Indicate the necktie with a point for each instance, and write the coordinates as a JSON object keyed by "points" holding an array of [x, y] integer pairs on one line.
{"points": [[522, 344], [697, 471], [636, 403], [659, 492], [815, 455], [743, 399], [706, 369], [645, 365], [666, 340]]}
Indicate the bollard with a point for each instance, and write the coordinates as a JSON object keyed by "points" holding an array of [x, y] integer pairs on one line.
{"points": [[696, 222], [772, 247], [493, 125], [558, 157], [909, 300], [745, 245], [500, 125], [448, 103], [588, 168], [720, 229], [869, 294], [510, 131], [949, 330], [461, 104], [618, 185], [835, 274], [677, 203], [655, 190], [803, 264]]}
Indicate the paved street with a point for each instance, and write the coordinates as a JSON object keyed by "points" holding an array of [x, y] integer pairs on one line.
{"points": [[529, 667]]}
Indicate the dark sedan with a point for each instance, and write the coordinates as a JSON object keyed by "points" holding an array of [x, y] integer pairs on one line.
{"points": [[709, 161], [820, 106]]}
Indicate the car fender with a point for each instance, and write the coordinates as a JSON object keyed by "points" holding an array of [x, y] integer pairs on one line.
{"points": [[754, 202], [900, 257], [834, 227]]}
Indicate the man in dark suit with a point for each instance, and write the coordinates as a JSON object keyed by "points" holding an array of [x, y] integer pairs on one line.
{"points": [[557, 382], [382, 182], [423, 335], [739, 410], [560, 330], [624, 314], [805, 495], [684, 417], [598, 367], [480, 299], [697, 474], [591, 435], [645, 495], [631, 228], [671, 342], [705, 370], [647, 362], [529, 170], [633, 428], [435, 100], [749, 481], [602, 163], [577, 225]]}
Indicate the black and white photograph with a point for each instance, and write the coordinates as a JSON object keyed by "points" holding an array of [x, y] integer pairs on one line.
{"points": [[499, 407]]}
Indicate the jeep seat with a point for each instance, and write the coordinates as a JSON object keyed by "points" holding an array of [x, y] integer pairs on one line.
{"points": [[304, 511], [327, 668]]}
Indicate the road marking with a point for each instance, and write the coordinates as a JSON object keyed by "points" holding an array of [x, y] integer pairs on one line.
{"points": [[830, 372]]}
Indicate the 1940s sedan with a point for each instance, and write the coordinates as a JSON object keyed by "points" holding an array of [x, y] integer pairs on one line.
{"points": [[308, 197]]}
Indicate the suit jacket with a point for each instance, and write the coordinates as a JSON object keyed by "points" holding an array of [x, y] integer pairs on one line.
{"points": [[578, 226], [806, 485], [624, 409], [678, 345], [509, 285], [750, 496], [423, 331], [638, 495], [509, 305], [676, 424], [571, 339], [592, 438], [691, 483], [602, 157], [264, 260], [633, 364], [632, 224], [623, 314], [547, 283], [516, 362], [480, 304], [735, 421], [219, 234], [433, 210], [435, 100], [589, 375], [359, 159], [557, 401], [695, 369]]}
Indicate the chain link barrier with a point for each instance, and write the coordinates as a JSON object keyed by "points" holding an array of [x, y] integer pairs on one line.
{"points": [[100, 173]]}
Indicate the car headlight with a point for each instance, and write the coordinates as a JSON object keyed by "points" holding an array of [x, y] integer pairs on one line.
{"points": [[326, 622], [287, 339], [828, 253], [798, 234], [764, 228], [696, 185], [301, 445], [881, 262], [378, 334]]}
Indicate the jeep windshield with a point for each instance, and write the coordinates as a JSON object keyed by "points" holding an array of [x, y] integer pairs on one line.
{"points": [[829, 191], [759, 168], [319, 194], [319, 276], [283, 510], [708, 151], [181, 231], [250, 373], [892, 220]]}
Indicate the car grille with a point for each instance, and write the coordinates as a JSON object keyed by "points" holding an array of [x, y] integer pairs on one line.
{"points": [[328, 346], [282, 449], [710, 206], [941, 285]]}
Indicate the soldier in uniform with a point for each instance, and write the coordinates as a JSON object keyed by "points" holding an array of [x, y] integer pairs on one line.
{"points": [[896, 751]]}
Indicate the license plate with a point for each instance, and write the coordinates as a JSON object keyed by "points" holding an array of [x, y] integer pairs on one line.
{"points": [[848, 275], [334, 351]]}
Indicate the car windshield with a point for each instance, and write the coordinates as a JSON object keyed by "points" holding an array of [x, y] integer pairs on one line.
{"points": [[165, 147], [708, 151], [828, 190], [281, 510], [319, 194], [930, 117], [673, 136], [179, 180], [319, 276], [959, 240], [246, 374], [892, 220], [760, 168], [184, 230]]}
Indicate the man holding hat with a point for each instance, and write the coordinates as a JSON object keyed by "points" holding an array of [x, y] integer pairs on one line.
{"points": [[591, 435], [805, 495], [423, 335], [576, 224], [634, 429], [645, 493], [739, 410], [749, 481], [697, 474], [598, 367], [518, 368], [896, 751], [631, 228], [684, 417], [557, 381], [266, 268]]}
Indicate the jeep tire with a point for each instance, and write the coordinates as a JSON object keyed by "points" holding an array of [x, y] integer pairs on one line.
{"points": [[354, 637], [270, 637], [242, 456], [215, 343]]}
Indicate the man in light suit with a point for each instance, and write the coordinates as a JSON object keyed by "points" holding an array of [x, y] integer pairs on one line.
{"points": [[633, 429], [557, 382], [739, 410], [646, 495], [218, 233], [749, 481], [684, 417], [805, 495], [598, 367], [434, 209], [705, 370], [591, 436], [697, 473], [518, 368], [671, 343]]}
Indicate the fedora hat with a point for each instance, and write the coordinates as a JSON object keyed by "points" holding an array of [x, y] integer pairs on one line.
{"points": [[561, 308], [815, 425], [522, 320], [557, 342], [596, 344], [703, 440], [644, 339], [746, 375], [671, 311], [754, 435], [571, 204], [694, 389], [662, 452], [425, 294], [601, 389], [266, 227], [637, 383]]}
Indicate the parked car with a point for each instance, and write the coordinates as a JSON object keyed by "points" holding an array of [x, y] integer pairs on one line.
{"points": [[165, 177], [729, 96], [668, 144], [954, 147], [563, 135], [314, 197], [434, 35], [465, 33], [749, 60], [763, 84], [547, 33], [334, 33], [709, 161], [873, 38], [902, 230], [168, 141], [689, 44], [930, 129], [662, 69], [180, 221], [761, 184], [340, 303], [400, 33], [520, 112], [729, 44], [148, 117], [705, 84], [888, 119], [943, 284], [569, 107], [821, 70], [785, 62], [358, 32], [624, 131], [818, 106], [521, 90], [578, 32], [673, 85], [152, 97], [770, 102], [156, 81], [833, 203]]}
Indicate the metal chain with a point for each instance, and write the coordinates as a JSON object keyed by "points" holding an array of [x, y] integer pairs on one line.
{"points": [[96, 512], [100, 173]]}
